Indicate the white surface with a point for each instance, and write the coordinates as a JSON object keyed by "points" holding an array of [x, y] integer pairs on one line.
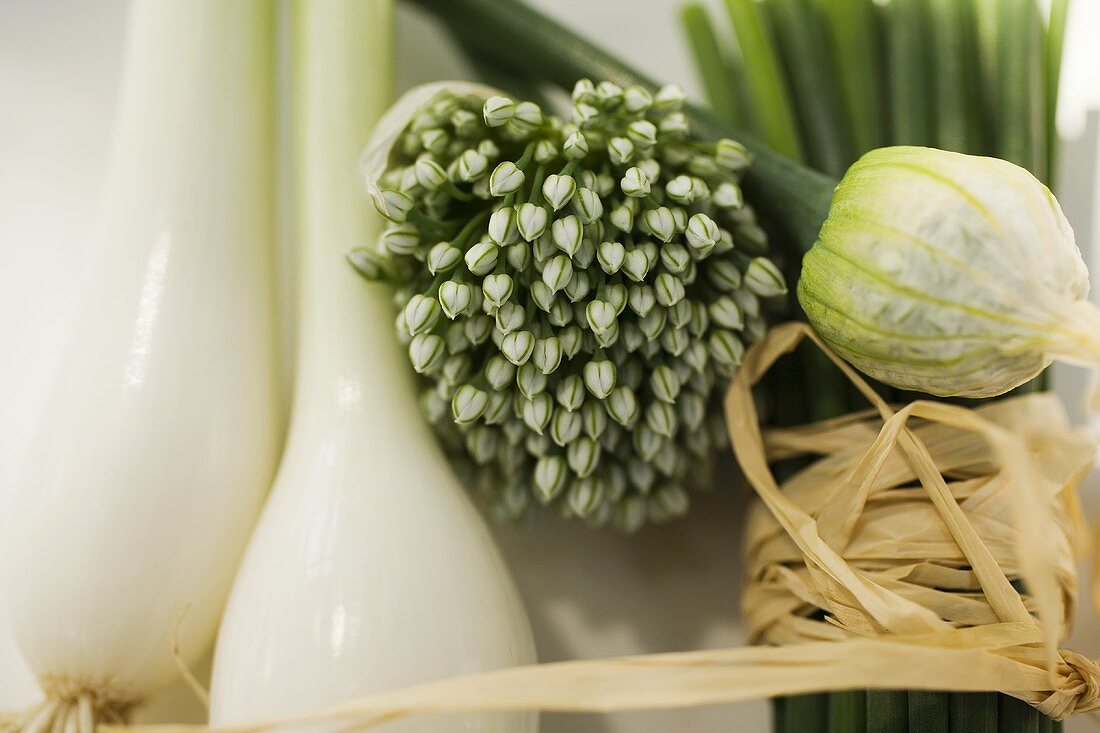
{"points": [[589, 594]]}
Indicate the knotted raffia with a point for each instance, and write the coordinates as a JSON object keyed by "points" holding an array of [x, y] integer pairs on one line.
{"points": [[891, 562]]}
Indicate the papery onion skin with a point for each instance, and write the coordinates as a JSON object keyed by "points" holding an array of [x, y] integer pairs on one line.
{"points": [[945, 273]]}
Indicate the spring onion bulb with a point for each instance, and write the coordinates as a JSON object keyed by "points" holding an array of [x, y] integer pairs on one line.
{"points": [[369, 568], [160, 438], [948, 273]]}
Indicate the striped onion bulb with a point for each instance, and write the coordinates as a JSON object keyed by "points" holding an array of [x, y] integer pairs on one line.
{"points": [[950, 274]]}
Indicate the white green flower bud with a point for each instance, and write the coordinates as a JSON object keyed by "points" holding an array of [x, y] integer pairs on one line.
{"points": [[565, 426], [498, 110], [679, 313], [750, 304], [637, 99], [599, 377], [584, 91], [616, 294], [764, 278], [455, 298], [675, 340], [635, 183], [622, 405], [646, 441], [724, 275], [499, 372], [585, 497], [726, 313], [478, 328], [545, 151], [482, 257], [517, 346], [643, 133], [542, 295], [366, 262], [547, 354], [675, 258], [609, 93], [620, 150], [652, 324], [622, 218], [636, 265], [660, 223], [594, 419], [661, 419], [701, 232], [665, 384], [601, 316], [567, 233], [550, 477], [510, 317], [727, 196], [456, 368], [570, 338], [641, 299], [429, 174], [426, 352], [576, 146], [578, 286], [481, 443], [532, 221], [587, 205], [557, 273], [585, 115], [435, 141], [726, 348], [669, 98], [560, 314], [669, 289], [393, 204], [464, 122], [502, 226], [682, 189], [518, 256], [455, 338], [642, 476], [505, 179], [468, 404], [583, 455], [610, 256], [732, 155], [434, 406], [530, 380], [693, 410], [471, 166], [497, 289], [570, 393], [558, 190], [443, 257], [527, 116], [421, 314], [401, 239], [670, 502]]}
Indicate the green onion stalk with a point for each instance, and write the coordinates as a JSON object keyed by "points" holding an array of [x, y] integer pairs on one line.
{"points": [[978, 77], [867, 74]]}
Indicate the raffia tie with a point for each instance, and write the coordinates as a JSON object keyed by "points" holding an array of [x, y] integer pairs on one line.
{"points": [[888, 563]]}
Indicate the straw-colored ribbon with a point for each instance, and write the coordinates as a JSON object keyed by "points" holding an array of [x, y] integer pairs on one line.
{"points": [[907, 532]]}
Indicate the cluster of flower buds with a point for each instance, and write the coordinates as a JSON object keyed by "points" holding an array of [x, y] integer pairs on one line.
{"points": [[574, 293]]}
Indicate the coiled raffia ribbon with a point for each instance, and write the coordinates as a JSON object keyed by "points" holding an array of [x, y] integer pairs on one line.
{"points": [[907, 532]]}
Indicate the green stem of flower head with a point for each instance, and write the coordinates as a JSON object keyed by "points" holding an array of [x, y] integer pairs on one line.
{"points": [[764, 75], [424, 221], [528, 154], [713, 65], [792, 198], [457, 193], [536, 184], [472, 226], [812, 75], [908, 61], [1056, 37], [857, 50], [1022, 99]]}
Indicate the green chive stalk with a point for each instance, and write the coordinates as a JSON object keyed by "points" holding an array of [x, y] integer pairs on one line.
{"points": [[966, 76]]}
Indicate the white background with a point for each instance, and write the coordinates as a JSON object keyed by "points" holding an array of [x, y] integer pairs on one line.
{"points": [[589, 594]]}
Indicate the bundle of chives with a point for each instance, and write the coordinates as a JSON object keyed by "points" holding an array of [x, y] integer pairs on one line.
{"points": [[974, 76]]}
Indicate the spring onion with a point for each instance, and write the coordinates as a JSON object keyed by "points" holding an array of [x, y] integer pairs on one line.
{"points": [[369, 568], [160, 439]]}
